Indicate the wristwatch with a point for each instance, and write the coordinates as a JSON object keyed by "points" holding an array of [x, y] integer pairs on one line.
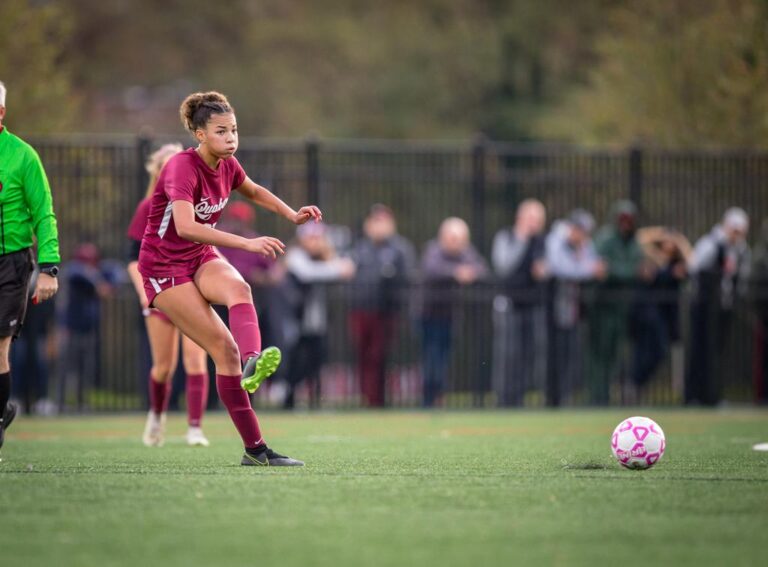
{"points": [[49, 269]]}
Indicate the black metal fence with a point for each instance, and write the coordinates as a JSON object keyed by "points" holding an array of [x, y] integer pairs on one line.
{"points": [[98, 181]]}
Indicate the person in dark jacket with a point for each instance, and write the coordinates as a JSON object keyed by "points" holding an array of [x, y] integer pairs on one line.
{"points": [[384, 262], [758, 279], [720, 271], [655, 317], [609, 315], [518, 258], [449, 263], [85, 285]]}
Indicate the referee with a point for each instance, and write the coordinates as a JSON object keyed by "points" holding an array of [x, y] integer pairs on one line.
{"points": [[26, 211]]}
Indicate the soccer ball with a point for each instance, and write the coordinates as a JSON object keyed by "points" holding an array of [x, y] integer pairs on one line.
{"points": [[638, 443]]}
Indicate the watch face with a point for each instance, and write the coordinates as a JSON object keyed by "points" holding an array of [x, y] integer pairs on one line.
{"points": [[52, 271]]}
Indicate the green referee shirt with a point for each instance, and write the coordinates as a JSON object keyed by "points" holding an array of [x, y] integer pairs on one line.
{"points": [[26, 206]]}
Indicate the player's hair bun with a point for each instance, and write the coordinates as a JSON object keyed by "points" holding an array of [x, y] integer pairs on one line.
{"points": [[197, 109]]}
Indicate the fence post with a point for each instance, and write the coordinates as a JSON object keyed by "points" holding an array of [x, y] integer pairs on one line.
{"points": [[143, 149], [312, 150], [479, 152], [636, 177]]}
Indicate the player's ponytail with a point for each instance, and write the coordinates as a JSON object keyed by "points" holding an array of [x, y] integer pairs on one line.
{"points": [[197, 108]]}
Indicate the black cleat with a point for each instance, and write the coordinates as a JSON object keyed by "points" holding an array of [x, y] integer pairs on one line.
{"points": [[268, 458], [9, 414]]}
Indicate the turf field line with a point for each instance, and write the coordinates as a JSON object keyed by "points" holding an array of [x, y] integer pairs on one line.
{"points": [[633, 476]]}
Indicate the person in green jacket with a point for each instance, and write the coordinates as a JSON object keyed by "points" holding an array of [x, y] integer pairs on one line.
{"points": [[26, 214], [609, 317]]}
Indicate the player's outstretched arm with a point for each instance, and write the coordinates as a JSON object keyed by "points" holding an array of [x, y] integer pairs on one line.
{"points": [[264, 198], [188, 229]]}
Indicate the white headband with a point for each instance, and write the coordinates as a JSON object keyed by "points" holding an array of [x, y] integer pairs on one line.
{"points": [[2, 94]]}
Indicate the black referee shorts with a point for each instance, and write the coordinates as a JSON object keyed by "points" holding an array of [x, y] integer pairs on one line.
{"points": [[15, 272]]}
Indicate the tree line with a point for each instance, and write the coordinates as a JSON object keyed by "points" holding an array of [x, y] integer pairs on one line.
{"points": [[674, 73]]}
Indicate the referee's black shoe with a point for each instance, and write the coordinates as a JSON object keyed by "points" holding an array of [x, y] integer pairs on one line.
{"points": [[9, 414]]}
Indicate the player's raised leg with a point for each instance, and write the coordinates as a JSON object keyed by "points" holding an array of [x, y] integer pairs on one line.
{"points": [[164, 344], [195, 366], [221, 284], [194, 317]]}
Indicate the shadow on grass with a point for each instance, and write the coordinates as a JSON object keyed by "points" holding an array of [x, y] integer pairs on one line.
{"points": [[584, 466]]}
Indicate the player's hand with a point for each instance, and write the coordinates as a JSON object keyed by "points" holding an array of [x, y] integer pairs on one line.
{"points": [[266, 246], [46, 288], [347, 268], [465, 274], [306, 213]]}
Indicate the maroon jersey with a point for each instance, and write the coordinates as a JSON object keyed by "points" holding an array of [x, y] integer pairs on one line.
{"points": [[139, 220], [186, 177]]}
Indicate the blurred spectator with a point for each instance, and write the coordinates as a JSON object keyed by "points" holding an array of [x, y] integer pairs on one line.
{"points": [[655, 318], [450, 262], [571, 260], [518, 257], [84, 287], [30, 356], [311, 263], [609, 313], [384, 262], [759, 296], [720, 271]]}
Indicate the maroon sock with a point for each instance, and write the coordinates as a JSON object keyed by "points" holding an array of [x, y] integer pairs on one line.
{"points": [[245, 329], [197, 397], [238, 405], [159, 395]]}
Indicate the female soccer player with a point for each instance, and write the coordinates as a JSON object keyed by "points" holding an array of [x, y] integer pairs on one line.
{"points": [[164, 336], [183, 275]]}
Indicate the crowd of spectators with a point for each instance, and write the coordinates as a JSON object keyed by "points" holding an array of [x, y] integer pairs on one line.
{"points": [[575, 309]]}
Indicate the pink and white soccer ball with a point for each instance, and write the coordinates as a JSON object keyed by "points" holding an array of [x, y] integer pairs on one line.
{"points": [[638, 443]]}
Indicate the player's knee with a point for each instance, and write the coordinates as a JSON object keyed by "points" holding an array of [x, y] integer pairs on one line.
{"points": [[161, 372], [242, 292]]}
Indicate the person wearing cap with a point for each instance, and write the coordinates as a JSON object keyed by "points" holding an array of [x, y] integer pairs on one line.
{"points": [[720, 272], [519, 315], [312, 264], [385, 265], [571, 261], [26, 217], [84, 285], [617, 245]]}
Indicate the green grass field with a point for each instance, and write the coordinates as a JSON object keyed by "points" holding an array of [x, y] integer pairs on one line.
{"points": [[485, 488]]}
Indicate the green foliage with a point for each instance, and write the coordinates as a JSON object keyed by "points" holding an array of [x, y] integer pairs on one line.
{"points": [[33, 66], [386, 489], [343, 68], [675, 73], [664, 72]]}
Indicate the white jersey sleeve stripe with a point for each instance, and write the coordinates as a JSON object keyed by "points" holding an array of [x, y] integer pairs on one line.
{"points": [[166, 219]]}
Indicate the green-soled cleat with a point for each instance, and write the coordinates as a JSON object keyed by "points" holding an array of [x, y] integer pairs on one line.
{"points": [[259, 368]]}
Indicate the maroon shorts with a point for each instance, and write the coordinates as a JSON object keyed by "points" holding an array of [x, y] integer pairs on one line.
{"points": [[153, 286]]}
